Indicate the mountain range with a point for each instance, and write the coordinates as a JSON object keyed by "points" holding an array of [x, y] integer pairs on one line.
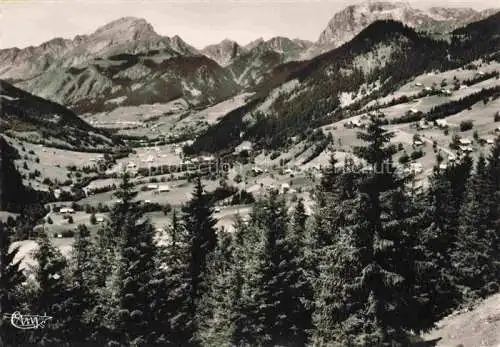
{"points": [[125, 62]]}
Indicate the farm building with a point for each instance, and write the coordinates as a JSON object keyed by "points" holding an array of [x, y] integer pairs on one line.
{"points": [[163, 188], [442, 123], [66, 210], [465, 142]]}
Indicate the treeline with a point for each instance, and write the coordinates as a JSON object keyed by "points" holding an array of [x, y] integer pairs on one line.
{"points": [[378, 260]]}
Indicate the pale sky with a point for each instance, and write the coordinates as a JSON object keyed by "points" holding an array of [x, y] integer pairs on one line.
{"points": [[198, 22]]}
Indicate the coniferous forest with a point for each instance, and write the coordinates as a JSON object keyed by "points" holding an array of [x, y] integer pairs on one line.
{"points": [[379, 260]]}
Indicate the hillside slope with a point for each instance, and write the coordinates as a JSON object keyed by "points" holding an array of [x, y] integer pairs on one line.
{"points": [[479, 326], [38, 120]]}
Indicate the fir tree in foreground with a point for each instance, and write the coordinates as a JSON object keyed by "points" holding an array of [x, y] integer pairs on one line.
{"points": [[198, 222], [363, 292], [11, 278], [134, 279]]}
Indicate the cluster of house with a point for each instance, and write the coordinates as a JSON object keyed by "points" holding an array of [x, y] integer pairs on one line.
{"points": [[443, 91]]}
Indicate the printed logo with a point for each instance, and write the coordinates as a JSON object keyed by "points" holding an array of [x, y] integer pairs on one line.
{"points": [[26, 322]]}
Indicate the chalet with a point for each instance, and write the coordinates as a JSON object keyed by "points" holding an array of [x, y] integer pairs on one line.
{"points": [[451, 157], [416, 167], [443, 166], [465, 142], [442, 123], [446, 92], [285, 187], [418, 143], [207, 158], [66, 210], [418, 84], [152, 186], [413, 110], [163, 189], [497, 130], [257, 170], [131, 165], [422, 124], [99, 219], [490, 141]]}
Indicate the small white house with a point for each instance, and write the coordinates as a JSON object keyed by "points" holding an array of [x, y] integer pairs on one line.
{"points": [[152, 186], [163, 189], [418, 84], [57, 193], [413, 110], [465, 142], [443, 166], [66, 210], [442, 123], [418, 143], [490, 141], [285, 187], [416, 167]]}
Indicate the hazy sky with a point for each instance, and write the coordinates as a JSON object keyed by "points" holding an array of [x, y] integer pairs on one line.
{"points": [[200, 22]]}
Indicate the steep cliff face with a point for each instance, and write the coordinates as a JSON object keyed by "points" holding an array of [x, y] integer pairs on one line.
{"points": [[347, 23]]}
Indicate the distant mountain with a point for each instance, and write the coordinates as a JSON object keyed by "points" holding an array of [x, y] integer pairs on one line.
{"points": [[299, 96], [353, 19], [259, 57], [38, 120], [224, 52], [126, 35], [125, 62]]}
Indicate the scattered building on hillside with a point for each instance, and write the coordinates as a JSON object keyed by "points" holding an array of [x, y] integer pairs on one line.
{"points": [[66, 210], [465, 142], [163, 188], [284, 187], [442, 123], [245, 146], [152, 186]]}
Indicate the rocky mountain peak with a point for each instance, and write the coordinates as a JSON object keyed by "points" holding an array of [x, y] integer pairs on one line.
{"points": [[125, 29], [223, 52]]}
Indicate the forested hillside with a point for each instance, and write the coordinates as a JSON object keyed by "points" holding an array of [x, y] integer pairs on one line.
{"points": [[378, 261]]}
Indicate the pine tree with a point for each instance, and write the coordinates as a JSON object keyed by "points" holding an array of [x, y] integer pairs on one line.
{"points": [[363, 294], [198, 221], [52, 295], [274, 311], [175, 306], [221, 302], [134, 278], [11, 278], [473, 258], [82, 295]]}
